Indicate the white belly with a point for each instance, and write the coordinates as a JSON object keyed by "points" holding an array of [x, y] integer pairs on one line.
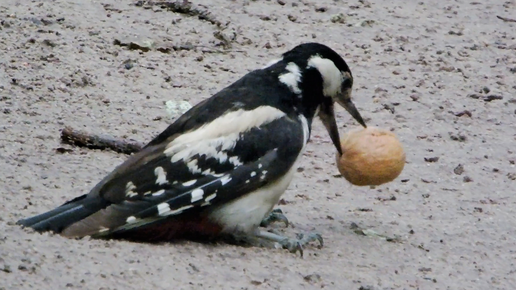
{"points": [[245, 213]]}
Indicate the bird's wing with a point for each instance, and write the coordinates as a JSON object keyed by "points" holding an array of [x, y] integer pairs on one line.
{"points": [[224, 159]]}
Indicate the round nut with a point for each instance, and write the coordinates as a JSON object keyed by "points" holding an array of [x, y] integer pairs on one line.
{"points": [[371, 156]]}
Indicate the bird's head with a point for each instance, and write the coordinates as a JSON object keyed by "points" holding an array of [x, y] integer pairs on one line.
{"points": [[320, 78]]}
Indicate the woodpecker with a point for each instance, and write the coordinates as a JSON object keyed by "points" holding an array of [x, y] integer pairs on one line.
{"points": [[221, 167]]}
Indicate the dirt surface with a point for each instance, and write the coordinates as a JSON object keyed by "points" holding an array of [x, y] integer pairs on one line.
{"points": [[441, 74]]}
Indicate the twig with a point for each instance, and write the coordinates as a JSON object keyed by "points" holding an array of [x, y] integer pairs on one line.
{"points": [[92, 141], [506, 19], [182, 7]]}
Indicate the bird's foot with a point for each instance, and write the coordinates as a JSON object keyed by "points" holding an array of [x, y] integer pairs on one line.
{"points": [[276, 215], [297, 244], [294, 245]]}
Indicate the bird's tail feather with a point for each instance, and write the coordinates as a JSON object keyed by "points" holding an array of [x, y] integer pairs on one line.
{"points": [[60, 218]]}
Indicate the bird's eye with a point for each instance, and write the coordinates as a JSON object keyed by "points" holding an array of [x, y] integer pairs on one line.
{"points": [[347, 83]]}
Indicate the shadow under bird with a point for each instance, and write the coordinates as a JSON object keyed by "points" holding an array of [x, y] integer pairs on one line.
{"points": [[221, 167]]}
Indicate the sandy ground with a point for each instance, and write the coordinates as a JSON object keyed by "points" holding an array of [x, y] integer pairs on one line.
{"points": [[441, 74]]}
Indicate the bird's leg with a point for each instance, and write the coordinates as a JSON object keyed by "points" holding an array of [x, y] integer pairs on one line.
{"points": [[292, 244], [263, 238], [271, 238], [276, 215]]}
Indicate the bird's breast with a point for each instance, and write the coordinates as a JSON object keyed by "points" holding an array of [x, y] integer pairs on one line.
{"points": [[244, 214]]}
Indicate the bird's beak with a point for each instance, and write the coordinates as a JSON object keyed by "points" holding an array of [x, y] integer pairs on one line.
{"points": [[327, 115], [352, 110]]}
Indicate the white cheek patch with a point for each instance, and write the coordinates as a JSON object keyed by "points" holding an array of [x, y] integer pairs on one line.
{"points": [[331, 75], [292, 78]]}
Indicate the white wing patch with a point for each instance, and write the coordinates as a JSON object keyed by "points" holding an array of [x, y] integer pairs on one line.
{"points": [[213, 148], [210, 197], [190, 183], [207, 147], [235, 161], [192, 166], [163, 208], [292, 78], [161, 175], [224, 180], [129, 189], [264, 174], [197, 194], [331, 75], [228, 125], [180, 210], [216, 138], [158, 193]]}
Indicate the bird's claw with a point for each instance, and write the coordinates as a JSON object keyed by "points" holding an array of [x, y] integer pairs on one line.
{"points": [[297, 244], [276, 215]]}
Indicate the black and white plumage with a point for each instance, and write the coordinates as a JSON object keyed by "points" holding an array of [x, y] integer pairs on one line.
{"points": [[223, 165]]}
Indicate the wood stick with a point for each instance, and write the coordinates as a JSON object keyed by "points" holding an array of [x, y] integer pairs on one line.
{"points": [[93, 141], [506, 19]]}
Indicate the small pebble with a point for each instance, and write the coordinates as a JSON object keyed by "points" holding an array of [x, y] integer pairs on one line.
{"points": [[459, 169]]}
